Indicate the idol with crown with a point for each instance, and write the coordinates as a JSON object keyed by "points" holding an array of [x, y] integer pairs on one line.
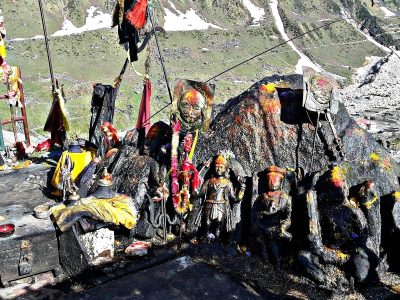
{"points": [[220, 201]]}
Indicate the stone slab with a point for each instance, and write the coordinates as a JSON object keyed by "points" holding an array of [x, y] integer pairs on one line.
{"points": [[181, 278]]}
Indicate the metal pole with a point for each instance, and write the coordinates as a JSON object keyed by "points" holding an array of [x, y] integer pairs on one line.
{"points": [[159, 53], [53, 81]]}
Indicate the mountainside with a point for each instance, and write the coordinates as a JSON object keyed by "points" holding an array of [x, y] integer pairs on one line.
{"points": [[373, 98], [85, 50]]}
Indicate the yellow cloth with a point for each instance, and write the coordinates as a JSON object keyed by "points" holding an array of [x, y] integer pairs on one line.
{"points": [[3, 51], [22, 165], [80, 161], [64, 112], [117, 210], [14, 81]]}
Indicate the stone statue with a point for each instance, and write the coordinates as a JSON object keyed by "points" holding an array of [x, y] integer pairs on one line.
{"points": [[391, 229], [219, 201], [337, 237], [272, 215], [192, 104], [66, 184], [191, 109], [368, 201]]}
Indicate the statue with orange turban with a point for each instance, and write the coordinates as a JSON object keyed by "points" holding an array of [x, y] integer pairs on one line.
{"points": [[219, 199], [272, 215], [337, 234]]}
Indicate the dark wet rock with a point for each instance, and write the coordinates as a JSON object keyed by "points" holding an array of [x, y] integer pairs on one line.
{"points": [[263, 130], [262, 133]]}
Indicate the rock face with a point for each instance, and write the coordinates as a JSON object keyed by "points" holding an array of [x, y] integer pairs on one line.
{"points": [[374, 95], [262, 132], [267, 125]]}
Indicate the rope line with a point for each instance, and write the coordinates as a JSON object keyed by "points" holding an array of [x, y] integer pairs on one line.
{"points": [[263, 52], [242, 62]]}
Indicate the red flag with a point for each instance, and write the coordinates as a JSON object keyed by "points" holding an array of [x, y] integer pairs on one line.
{"points": [[144, 110], [137, 15]]}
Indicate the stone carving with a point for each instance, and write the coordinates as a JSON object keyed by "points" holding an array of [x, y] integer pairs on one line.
{"points": [[272, 215], [220, 202], [192, 104], [338, 235]]}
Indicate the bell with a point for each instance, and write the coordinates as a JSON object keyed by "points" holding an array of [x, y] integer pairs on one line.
{"points": [[104, 192], [74, 147], [104, 189]]}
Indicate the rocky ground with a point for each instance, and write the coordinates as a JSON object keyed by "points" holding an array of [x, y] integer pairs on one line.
{"points": [[375, 95]]}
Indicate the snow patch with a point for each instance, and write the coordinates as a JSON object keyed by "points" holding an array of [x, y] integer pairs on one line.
{"points": [[304, 60], [36, 37], [387, 12], [257, 13], [95, 20], [180, 21]]}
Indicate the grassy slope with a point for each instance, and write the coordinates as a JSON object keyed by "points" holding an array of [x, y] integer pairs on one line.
{"points": [[23, 17], [91, 57], [81, 60], [338, 48]]}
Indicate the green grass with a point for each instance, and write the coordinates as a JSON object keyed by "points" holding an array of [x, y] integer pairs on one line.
{"points": [[339, 48], [91, 57], [81, 60]]}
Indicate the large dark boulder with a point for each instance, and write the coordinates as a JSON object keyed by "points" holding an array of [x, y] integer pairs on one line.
{"points": [[263, 132]]}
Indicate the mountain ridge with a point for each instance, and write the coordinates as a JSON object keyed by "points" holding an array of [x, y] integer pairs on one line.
{"points": [[94, 56]]}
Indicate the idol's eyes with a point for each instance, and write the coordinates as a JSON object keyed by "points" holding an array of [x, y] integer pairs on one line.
{"points": [[186, 105]]}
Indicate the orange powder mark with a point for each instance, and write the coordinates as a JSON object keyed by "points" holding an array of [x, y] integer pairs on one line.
{"points": [[238, 119], [374, 156], [192, 96], [337, 177], [268, 88], [271, 105], [386, 164], [220, 160]]}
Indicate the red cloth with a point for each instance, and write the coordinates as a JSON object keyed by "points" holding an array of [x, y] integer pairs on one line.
{"points": [[55, 125], [137, 15], [108, 127], [44, 146], [144, 110]]}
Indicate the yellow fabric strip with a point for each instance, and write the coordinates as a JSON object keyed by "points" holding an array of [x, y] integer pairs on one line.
{"points": [[64, 113], [3, 51], [191, 153]]}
